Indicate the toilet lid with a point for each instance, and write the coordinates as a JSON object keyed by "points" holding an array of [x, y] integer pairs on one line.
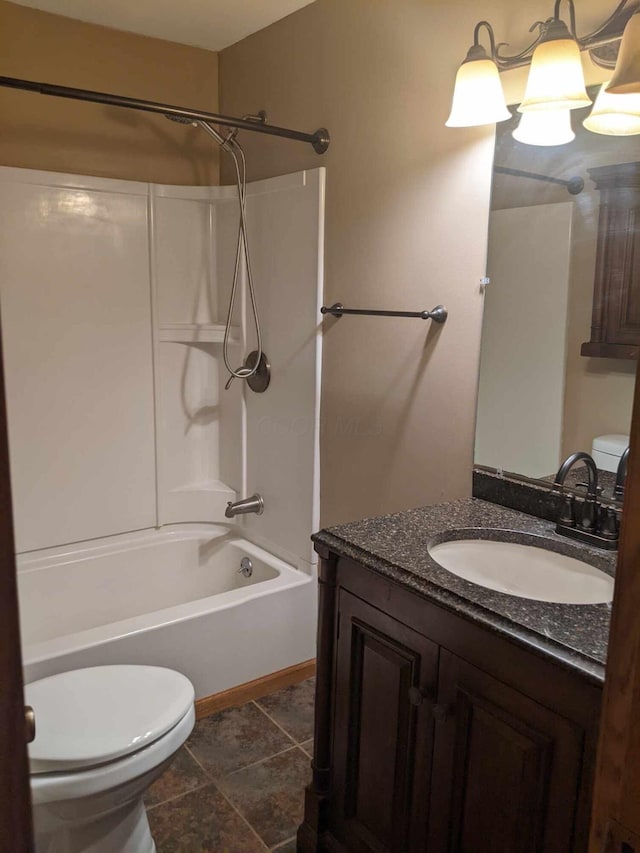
{"points": [[92, 716]]}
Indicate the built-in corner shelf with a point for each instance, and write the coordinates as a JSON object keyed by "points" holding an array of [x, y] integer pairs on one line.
{"points": [[196, 333]]}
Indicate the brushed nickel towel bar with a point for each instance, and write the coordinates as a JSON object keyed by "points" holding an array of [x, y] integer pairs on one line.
{"points": [[438, 314], [319, 140]]}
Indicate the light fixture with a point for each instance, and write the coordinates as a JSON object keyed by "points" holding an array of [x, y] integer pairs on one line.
{"points": [[614, 115], [478, 97], [556, 79], [545, 127], [626, 78]]}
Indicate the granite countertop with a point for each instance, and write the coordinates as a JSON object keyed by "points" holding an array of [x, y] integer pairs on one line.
{"points": [[396, 546]]}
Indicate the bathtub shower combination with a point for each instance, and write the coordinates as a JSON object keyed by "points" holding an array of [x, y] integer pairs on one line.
{"points": [[147, 576], [125, 447]]}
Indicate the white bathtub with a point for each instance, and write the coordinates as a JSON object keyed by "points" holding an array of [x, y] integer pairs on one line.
{"points": [[170, 597]]}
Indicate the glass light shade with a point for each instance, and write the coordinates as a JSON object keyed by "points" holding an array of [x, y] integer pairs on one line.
{"points": [[614, 115], [478, 97], [626, 77], [545, 127], [556, 79]]}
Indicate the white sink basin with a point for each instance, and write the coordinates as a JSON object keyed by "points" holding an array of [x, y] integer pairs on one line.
{"points": [[524, 570]]}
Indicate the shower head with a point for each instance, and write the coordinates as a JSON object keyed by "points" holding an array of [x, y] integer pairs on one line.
{"points": [[181, 119]]}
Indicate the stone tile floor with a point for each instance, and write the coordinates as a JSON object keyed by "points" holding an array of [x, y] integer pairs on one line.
{"points": [[237, 786]]}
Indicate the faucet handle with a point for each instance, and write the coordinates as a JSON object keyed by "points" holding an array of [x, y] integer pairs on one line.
{"points": [[567, 515], [586, 486], [608, 522], [589, 515]]}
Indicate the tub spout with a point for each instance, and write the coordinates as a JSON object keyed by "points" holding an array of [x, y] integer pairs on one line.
{"points": [[252, 504]]}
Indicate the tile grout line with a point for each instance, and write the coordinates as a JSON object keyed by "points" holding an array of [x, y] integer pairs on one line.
{"points": [[212, 781], [201, 766], [213, 778], [241, 816], [180, 796], [276, 723], [259, 761], [206, 782]]}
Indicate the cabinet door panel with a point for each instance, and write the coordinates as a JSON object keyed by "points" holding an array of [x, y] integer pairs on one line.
{"points": [[506, 770], [615, 325], [623, 315], [386, 676]]}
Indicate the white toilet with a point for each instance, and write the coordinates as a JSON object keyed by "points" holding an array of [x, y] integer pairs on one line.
{"points": [[103, 736], [607, 451]]}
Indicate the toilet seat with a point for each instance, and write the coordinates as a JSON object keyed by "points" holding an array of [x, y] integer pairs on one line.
{"points": [[91, 717], [92, 781]]}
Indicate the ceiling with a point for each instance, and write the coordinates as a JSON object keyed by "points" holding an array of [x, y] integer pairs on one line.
{"points": [[211, 24]]}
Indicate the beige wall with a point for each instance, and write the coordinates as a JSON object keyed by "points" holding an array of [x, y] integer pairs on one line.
{"points": [[67, 136], [407, 209]]}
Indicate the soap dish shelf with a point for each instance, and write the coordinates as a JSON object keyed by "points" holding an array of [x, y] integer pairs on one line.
{"points": [[196, 333]]}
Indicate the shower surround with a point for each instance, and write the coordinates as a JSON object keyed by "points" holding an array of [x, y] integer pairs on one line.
{"points": [[122, 438]]}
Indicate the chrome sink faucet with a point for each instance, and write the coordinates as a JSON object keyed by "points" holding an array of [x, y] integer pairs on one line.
{"points": [[253, 504], [586, 520]]}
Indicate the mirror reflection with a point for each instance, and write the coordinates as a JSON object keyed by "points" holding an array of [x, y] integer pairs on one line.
{"points": [[561, 329]]}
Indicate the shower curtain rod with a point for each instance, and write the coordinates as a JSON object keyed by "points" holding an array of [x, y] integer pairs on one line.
{"points": [[319, 140]]}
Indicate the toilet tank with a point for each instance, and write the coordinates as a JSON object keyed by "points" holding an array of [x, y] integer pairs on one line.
{"points": [[607, 450]]}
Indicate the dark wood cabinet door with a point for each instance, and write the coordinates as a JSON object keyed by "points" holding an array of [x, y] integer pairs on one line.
{"points": [[623, 277], [615, 326], [386, 678], [506, 770]]}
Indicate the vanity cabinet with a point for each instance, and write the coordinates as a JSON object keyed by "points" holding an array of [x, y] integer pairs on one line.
{"points": [[615, 325], [435, 734]]}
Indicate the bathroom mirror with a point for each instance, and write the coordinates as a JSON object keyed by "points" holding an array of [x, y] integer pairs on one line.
{"points": [[540, 398]]}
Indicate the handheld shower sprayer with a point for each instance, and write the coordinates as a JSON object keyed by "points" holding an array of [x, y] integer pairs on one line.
{"points": [[223, 141], [232, 146]]}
